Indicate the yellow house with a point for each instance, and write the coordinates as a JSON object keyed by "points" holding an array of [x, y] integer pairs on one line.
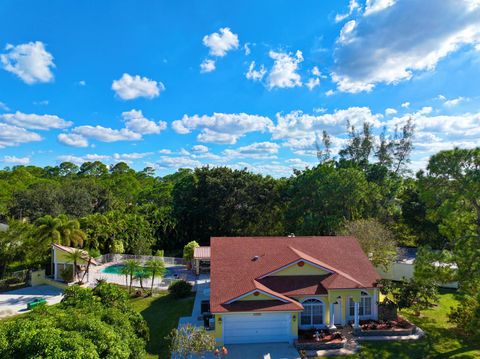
{"points": [[264, 289], [61, 260]]}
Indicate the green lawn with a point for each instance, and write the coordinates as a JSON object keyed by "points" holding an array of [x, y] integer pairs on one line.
{"points": [[162, 313], [441, 341]]}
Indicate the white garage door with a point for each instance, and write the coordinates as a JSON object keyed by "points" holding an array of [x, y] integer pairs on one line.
{"points": [[251, 328]]}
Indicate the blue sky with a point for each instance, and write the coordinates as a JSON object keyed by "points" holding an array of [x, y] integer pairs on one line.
{"points": [[243, 84]]}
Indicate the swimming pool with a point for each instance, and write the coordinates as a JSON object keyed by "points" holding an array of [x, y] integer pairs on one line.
{"points": [[117, 269]]}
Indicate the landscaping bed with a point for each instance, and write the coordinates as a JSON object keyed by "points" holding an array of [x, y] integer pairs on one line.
{"points": [[399, 327], [313, 339]]}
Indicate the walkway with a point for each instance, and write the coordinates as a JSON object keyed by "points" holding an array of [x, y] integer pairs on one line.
{"points": [[15, 302]]}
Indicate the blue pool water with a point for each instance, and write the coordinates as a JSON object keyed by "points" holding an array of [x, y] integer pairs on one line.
{"points": [[117, 269]]}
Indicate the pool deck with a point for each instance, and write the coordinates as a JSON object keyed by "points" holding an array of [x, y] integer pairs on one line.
{"points": [[159, 283]]}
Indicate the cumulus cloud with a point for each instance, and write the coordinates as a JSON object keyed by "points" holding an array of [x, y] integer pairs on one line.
{"points": [[253, 74], [390, 111], [219, 43], [394, 41], [16, 160], [405, 104], [106, 134], [454, 101], [130, 87], [284, 71], [373, 6], [72, 139], [255, 150], [14, 136], [166, 162], [207, 65], [352, 6], [35, 122], [222, 127], [136, 122], [200, 149], [30, 61], [298, 125], [346, 32], [312, 83]]}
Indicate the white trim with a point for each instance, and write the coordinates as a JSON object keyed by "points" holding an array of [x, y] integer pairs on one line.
{"points": [[253, 291], [293, 263]]}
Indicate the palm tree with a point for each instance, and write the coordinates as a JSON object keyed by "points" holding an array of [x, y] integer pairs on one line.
{"points": [[71, 234], [48, 229], [141, 275], [156, 267], [88, 267], [133, 267], [75, 257], [125, 272]]}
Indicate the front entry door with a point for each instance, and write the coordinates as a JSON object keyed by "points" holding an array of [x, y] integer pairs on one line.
{"points": [[338, 312]]}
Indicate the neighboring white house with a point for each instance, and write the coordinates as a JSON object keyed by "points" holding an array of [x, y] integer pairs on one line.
{"points": [[404, 265]]}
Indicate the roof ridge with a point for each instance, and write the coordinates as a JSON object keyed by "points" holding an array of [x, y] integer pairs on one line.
{"points": [[323, 264]]}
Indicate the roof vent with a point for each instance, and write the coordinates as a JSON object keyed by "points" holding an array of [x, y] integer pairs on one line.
{"points": [[255, 258], [291, 235]]}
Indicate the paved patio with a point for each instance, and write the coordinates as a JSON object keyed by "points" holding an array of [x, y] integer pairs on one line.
{"points": [[15, 302]]}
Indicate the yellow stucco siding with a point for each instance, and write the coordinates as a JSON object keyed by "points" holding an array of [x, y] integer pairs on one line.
{"points": [[63, 257], [295, 269], [294, 324], [218, 328], [260, 296]]}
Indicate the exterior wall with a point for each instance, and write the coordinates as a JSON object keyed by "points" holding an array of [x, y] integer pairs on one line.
{"points": [[295, 269], [37, 278], [401, 271], [218, 329], [63, 257], [260, 296]]}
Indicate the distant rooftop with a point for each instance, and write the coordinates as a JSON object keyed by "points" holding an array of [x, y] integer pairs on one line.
{"points": [[406, 254]]}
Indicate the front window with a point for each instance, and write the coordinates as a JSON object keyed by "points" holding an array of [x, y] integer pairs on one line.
{"points": [[312, 315], [364, 307]]}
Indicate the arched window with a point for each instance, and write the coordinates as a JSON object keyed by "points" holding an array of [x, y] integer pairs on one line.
{"points": [[312, 315], [365, 305]]}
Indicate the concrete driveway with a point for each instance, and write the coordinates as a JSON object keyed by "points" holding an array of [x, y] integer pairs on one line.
{"points": [[259, 351], [15, 301]]}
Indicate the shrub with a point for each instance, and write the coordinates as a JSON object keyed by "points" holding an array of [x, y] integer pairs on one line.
{"points": [[67, 274], [180, 289]]}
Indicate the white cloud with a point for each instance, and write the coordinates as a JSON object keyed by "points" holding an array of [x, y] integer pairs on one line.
{"points": [[34, 121], [405, 104], [255, 150], [390, 111], [425, 110], [330, 93], [222, 127], [176, 162], [207, 65], [4, 106], [454, 101], [284, 71], [312, 83], [82, 83], [255, 75], [165, 151], [14, 136], [78, 160], [221, 42], [136, 122], [373, 6], [316, 72], [30, 61], [394, 44], [246, 48], [16, 160], [130, 87], [128, 157], [346, 32], [72, 139], [106, 134], [200, 149], [352, 6], [300, 130]]}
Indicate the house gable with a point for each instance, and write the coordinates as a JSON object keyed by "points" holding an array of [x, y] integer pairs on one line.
{"points": [[259, 296], [300, 267]]}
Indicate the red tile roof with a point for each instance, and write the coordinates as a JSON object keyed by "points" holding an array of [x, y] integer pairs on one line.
{"points": [[235, 272]]}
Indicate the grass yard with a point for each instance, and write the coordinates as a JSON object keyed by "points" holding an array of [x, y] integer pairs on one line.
{"points": [[441, 341], [162, 313]]}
